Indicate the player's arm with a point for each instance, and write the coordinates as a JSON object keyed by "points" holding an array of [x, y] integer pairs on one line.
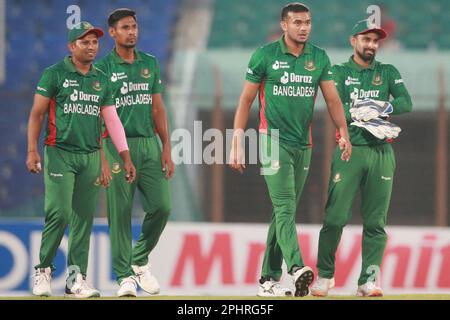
{"points": [[336, 111], [117, 134], [246, 99], [339, 83], [402, 100], [105, 174], [160, 120], [35, 120], [256, 72]]}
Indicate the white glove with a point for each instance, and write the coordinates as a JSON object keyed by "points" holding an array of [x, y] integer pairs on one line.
{"points": [[379, 128], [367, 109]]}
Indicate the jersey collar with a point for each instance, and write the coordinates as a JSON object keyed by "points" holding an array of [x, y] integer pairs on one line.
{"points": [[118, 59], [352, 64], [71, 68], [306, 50]]}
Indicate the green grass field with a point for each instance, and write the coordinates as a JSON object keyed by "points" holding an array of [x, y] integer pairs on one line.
{"points": [[233, 298]]}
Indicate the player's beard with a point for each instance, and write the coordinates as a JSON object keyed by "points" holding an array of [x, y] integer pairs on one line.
{"points": [[365, 57], [129, 45], [298, 42]]}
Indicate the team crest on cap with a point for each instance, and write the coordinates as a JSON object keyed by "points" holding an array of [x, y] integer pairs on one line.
{"points": [[96, 86], [309, 65], [87, 25], [116, 168], [145, 73], [377, 81]]}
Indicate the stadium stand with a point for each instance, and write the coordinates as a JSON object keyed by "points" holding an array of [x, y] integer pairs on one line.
{"points": [[251, 23]]}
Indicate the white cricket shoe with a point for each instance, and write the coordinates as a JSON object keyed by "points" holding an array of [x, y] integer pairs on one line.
{"points": [[271, 288], [145, 279], [42, 280], [302, 279], [81, 289], [321, 286], [128, 287], [369, 289]]}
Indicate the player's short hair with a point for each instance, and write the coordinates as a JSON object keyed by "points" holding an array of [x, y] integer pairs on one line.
{"points": [[293, 7], [119, 14]]}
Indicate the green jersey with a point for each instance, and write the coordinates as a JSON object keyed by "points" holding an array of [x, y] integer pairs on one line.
{"points": [[379, 81], [288, 89], [133, 85], [73, 121]]}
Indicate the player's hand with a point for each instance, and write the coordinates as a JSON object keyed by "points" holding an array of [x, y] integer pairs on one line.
{"points": [[34, 162], [237, 158], [128, 166], [166, 162], [130, 171], [346, 147], [105, 176]]}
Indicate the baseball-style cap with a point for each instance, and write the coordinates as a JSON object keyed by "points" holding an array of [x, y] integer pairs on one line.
{"points": [[365, 26], [82, 29]]}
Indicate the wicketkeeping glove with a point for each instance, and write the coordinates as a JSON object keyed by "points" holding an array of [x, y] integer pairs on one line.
{"points": [[364, 110], [379, 128]]}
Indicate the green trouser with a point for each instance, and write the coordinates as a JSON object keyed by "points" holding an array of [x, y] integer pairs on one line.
{"points": [[285, 188], [155, 198], [71, 195], [370, 168]]}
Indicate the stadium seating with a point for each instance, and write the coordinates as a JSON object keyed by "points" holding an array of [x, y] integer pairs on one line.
{"points": [[251, 23]]}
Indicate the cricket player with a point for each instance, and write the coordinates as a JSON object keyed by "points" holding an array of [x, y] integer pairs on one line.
{"points": [[287, 74], [136, 89], [365, 87], [74, 95]]}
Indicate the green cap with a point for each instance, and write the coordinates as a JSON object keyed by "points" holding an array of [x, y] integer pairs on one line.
{"points": [[365, 26], [82, 29]]}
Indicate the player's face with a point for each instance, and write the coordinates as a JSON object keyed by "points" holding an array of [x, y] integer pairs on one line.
{"points": [[85, 49], [125, 32], [366, 45], [297, 26]]}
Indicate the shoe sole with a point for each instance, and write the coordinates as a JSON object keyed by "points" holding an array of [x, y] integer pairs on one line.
{"points": [[318, 294], [67, 295], [372, 295], [44, 295], [128, 294], [302, 284], [273, 296]]}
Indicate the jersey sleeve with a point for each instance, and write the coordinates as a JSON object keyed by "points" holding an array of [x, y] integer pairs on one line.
{"points": [[256, 69], [402, 100], [107, 97], [339, 81], [47, 84], [326, 71], [157, 83]]}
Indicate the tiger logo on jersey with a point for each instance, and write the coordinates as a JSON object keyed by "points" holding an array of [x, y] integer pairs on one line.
{"points": [[337, 178], [116, 168], [96, 86], [377, 81], [309, 65], [145, 73]]}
